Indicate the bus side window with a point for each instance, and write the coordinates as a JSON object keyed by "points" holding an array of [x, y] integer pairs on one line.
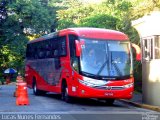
{"points": [[59, 50], [35, 51], [48, 49], [62, 46], [41, 50], [56, 53], [51, 43], [57, 63]]}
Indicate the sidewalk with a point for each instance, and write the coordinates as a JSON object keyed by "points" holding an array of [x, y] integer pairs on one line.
{"points": [[137, 97], [137, 101]]}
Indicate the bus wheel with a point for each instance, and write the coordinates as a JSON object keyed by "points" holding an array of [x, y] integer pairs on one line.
{"points": [[35, 90], [109, 101], [65, 95]]}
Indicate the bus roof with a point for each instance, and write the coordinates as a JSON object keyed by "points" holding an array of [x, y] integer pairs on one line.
{"points": [[88, 32], [98, 33]]}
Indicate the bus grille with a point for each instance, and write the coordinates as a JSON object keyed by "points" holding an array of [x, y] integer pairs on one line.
{"points": [[110, 87]]}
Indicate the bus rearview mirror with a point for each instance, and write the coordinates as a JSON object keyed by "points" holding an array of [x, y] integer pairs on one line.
{"points": [[138, 51], [78, 48]]}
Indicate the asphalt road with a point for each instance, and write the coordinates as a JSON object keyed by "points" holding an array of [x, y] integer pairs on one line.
{"points": [[51, 107]]}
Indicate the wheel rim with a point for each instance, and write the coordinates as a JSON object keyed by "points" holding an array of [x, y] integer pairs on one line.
{"points": [[35, 88], [66, 93]]}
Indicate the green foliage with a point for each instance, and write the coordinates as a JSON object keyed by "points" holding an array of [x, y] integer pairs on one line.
{"points": [[109, 14], [143, 7], [99, 21], [24, 18]]}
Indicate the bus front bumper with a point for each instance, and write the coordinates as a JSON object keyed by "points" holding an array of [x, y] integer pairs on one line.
{"points": [[89, 92]]}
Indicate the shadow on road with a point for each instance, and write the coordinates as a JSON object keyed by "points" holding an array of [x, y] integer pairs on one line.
{"points": [[84, 101]]}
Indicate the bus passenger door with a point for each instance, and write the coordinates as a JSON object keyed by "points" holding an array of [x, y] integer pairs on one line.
{"points": [[74, 63], [59, 54]]}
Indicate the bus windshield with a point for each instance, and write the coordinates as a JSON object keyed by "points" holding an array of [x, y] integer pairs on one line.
{"points": [[110, 59]]}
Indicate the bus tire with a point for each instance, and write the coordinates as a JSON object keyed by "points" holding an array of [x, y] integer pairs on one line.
{"points": [[35, 90], [109, 102], [65, 95]]}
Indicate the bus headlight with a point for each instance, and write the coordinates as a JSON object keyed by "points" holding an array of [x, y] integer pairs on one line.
{"points": [[128, 85], [92, 82], [86, 83]]}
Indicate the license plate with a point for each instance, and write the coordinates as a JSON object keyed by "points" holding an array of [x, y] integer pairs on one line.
{"points": [[109, 94]]}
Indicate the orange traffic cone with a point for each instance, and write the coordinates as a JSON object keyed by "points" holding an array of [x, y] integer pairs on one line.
{"points": [[18, 80], [22, 94]]}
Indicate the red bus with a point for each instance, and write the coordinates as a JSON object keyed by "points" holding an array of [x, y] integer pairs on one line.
{"points": [[82, 62]]}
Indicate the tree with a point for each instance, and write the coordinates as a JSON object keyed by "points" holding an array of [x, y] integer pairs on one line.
{"points": [[23, 19], [3, 13], [143, 7]]}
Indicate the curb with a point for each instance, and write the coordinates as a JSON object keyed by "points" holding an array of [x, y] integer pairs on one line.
{"points": [[146, 106]]}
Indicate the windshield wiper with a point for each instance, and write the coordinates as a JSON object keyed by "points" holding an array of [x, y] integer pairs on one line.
{"points": [[88, 74], [91, 75], [117, 69], [104, 64]]}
